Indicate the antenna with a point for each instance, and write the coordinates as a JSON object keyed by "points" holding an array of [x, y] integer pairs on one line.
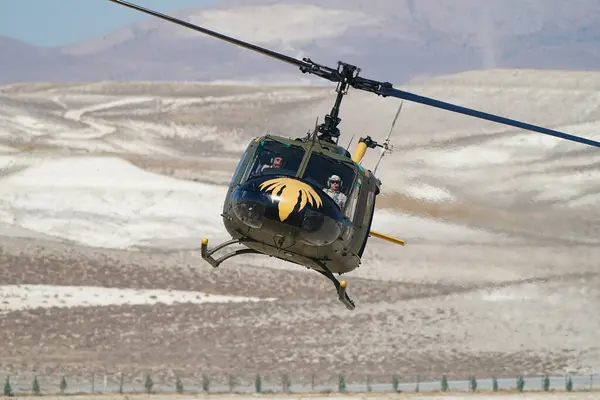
{"points": [[350, 142], [386, 146], [314, 134]]}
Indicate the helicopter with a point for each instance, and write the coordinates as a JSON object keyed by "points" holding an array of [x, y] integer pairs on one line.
{"points": [[283, 200]]}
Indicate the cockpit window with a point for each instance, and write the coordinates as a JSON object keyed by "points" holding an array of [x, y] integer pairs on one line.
{"points": [[276, 158], [334, 177]]}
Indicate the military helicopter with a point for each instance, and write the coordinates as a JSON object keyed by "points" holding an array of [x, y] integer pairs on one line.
{"points": [[281, 201]]}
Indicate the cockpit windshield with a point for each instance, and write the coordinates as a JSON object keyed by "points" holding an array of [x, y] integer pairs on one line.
{"points": [[333, 176], [276, 158]]}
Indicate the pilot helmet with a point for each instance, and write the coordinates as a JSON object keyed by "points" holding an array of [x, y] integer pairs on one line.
{"points": [[334, 178]]}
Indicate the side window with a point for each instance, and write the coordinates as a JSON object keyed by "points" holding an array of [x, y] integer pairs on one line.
{"points": [[367, 218], [352, 201], [368, 209]]}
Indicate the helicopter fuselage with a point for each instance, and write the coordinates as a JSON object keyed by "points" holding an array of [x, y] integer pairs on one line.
{"points": [[285, 212]]}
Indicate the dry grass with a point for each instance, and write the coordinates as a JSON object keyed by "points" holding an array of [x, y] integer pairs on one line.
{"points": [[465, 211]]}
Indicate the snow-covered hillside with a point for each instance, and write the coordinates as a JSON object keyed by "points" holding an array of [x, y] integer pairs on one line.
{"points": [[87, 162], [106, 202], [106, 190]]}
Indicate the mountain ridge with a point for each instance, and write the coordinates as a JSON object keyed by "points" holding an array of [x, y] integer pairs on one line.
{"points": [[389, 40]]}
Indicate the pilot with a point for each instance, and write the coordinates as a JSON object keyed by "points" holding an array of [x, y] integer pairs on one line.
{"points": [[276, 162], [333, 189]]}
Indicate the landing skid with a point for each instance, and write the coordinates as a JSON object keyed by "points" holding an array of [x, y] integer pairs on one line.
{"points": [[207, 254], [339, 286]]}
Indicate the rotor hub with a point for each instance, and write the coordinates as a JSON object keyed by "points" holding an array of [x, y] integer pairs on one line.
{"points": [[346, 76]]}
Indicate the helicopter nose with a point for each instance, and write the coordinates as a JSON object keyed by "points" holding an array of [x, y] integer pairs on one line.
{"points": [[310, 217], [249, 209], [318, 229]]}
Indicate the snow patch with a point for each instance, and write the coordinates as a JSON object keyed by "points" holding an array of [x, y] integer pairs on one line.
{"points": [[76, 114], [28, 123], [408, 227], [429, 193], [470, 157], [283, 24], [7, 149], [108, 202], [500, 295], [24, 297]]}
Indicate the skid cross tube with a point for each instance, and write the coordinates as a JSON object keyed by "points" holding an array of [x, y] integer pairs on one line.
{"points": [[207, 254]]}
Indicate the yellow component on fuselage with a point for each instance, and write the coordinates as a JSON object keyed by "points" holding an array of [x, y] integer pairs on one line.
{"points": [[359, 153], [387, 237]]}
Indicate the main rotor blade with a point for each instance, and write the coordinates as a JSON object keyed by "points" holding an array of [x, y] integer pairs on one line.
{"points": [[270, 53], [387, 91], [381, 88]]}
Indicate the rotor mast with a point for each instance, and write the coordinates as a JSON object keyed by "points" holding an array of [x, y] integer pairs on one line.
{"points": [[329, 128]]}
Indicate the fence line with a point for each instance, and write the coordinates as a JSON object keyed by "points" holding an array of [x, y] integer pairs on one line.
{"points": [[101, 384]]}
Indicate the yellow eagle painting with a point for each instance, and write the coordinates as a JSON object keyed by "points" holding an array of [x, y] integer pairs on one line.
{"points": [[289, 195]]}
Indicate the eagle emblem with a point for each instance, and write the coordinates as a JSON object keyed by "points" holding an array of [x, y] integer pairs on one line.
{"points": [[290, 192]]}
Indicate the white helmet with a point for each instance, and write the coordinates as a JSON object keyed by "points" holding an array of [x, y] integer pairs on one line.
{"points": [[333, 178]]}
